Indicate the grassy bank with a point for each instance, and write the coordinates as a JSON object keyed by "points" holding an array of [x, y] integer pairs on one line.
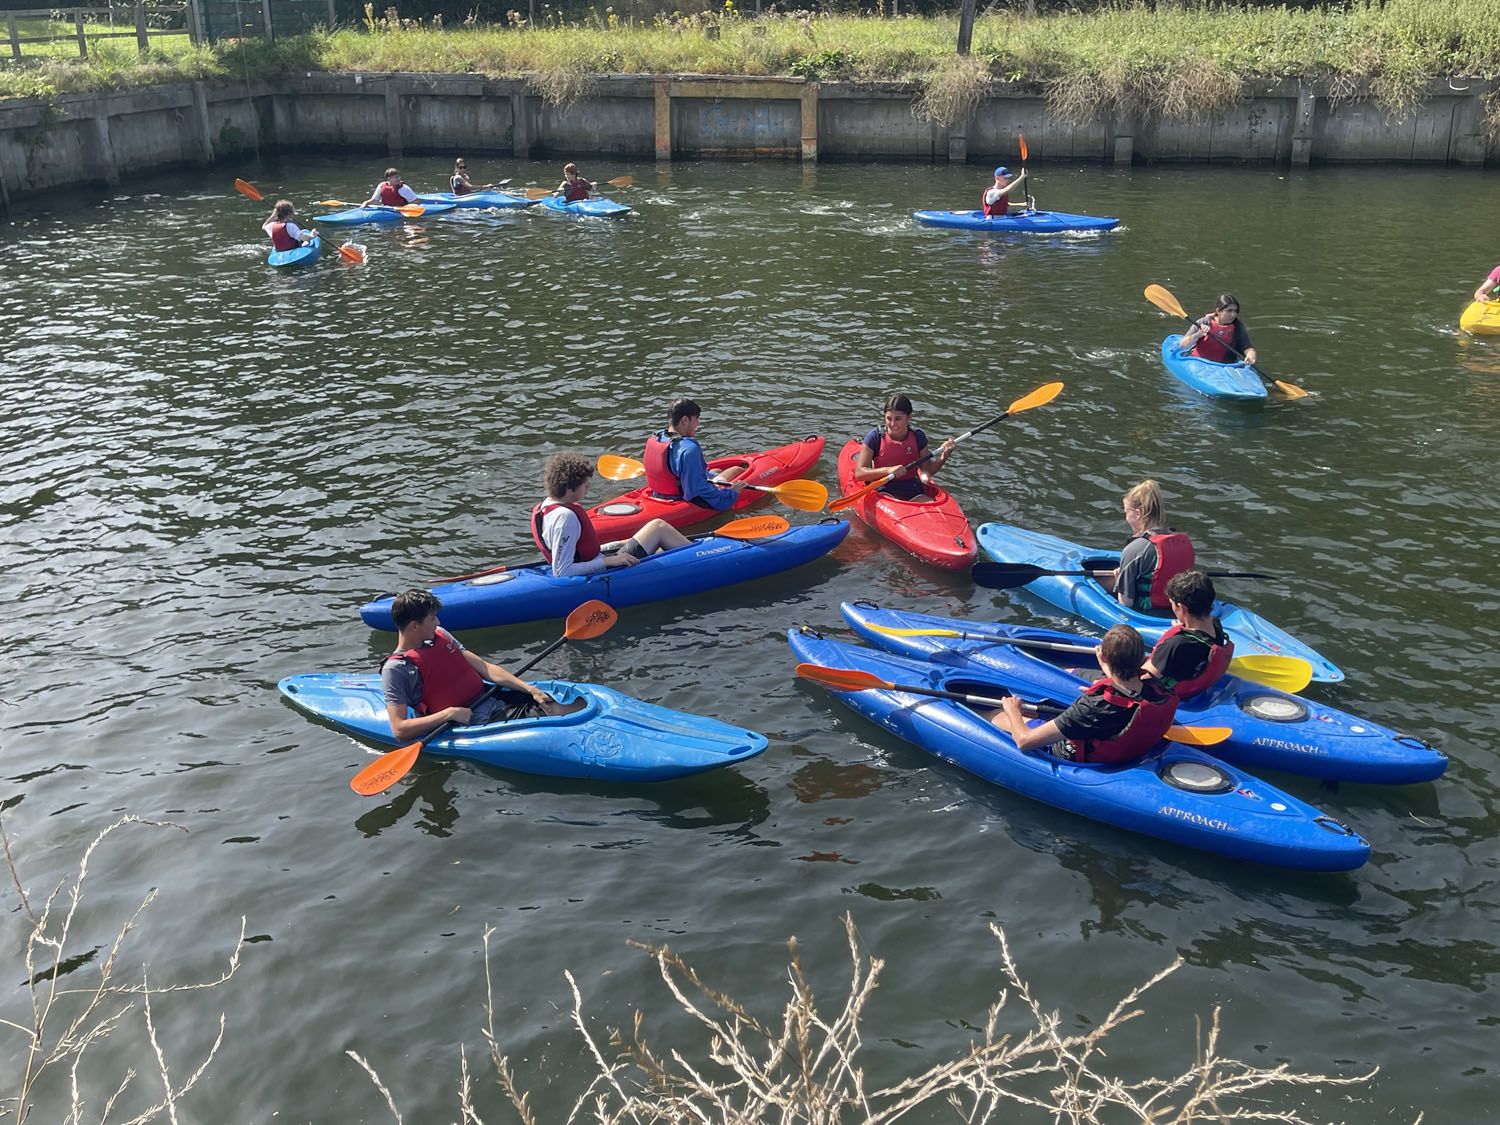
{"points": [[1173, 61]]}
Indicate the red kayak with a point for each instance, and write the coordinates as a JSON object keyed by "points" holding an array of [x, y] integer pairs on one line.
{"points": [[936, 532], [623, 516]]}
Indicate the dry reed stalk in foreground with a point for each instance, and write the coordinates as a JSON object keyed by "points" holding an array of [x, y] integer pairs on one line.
{"points": [[66, 1022], [809, 1069]]}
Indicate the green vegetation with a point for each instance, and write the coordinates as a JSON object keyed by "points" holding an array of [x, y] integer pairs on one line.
{"points": [[1172, 61]]}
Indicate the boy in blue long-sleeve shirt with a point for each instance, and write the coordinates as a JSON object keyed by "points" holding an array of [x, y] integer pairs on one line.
{"points": [[677, 469]]}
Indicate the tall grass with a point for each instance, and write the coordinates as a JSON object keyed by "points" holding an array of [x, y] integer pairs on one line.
{"points": [[1171, 61]]}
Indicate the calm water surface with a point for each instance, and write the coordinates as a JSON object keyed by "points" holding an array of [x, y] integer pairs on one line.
{"points": [[211, 465]]}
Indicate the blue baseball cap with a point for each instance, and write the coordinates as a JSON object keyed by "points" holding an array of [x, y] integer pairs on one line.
{"points": [[1002, 171]]}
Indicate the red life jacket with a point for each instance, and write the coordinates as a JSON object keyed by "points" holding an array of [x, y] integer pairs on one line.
{"points": [[391, 197], [588, 538], [1215, 346], [577, 190], [1216, 663], [280, 240], [448, 679], [892, 454], [1174, 554], [660, 479], [995, 209], [1152, 713]]}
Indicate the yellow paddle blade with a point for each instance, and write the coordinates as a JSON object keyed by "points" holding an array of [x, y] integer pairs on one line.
{"points": [[248, 190], [1164, 300], [754, 527], [804, 495], [1285, 673], [1291, 390], [333, 203], [613, 467], [1039, 397], [1198, 736]]}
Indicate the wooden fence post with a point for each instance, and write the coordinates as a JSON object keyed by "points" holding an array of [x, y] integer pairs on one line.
{"points": [[333, 16], [15, 39], [265, 13], [83, 44], [202, 28], [142, 44]]}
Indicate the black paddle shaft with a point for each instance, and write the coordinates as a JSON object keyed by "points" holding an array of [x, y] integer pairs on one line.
{"points": [[929, 455], [1007, 576]]}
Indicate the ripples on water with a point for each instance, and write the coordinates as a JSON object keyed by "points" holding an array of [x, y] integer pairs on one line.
{"points": [[212, 465]]}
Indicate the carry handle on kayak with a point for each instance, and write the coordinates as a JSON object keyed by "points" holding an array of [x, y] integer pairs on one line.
{"points": [[1163, 299], [591, 619], [1039, 397]]}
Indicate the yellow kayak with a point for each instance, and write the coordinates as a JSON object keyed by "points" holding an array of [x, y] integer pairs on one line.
{"points": [[1481, 318]]}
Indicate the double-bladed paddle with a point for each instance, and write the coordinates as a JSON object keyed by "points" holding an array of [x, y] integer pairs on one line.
{"points": [[1163, 299], [844, 679], [1007, 576], [1039, 397], [348, 251], [804, 495], [410, 210], [1030, 202], [1285, 673], [542, 193], [751, 527], [589, 620]]}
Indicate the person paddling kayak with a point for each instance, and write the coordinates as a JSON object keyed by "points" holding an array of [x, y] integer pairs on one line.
{"points": [[458, 183], [676, 468], [996, 198], [1154, 554], [573, 187], [392, 191], [1489, 288], [1119, 718], [286, 234], [1194, 653], [431, 679], [562, 530], [898, 443], [1210, 333]]}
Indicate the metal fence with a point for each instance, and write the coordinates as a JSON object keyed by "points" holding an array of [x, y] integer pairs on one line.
{"points": [[253, 19]]}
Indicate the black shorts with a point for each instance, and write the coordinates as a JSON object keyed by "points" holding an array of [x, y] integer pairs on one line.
{"points": [[633, 549]]}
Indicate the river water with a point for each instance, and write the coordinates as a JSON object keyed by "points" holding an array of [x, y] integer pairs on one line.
{"points": [[212, 464]]}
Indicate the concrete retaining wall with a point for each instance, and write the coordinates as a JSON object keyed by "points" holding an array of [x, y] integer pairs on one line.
{"points": [[81, 139]]}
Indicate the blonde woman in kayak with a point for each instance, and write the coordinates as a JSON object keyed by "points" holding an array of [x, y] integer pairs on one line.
{"points": [[1152, 556], [898, 443]]}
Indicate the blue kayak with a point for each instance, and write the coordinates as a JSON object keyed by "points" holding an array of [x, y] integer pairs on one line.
{"points": [[298, 256], [1216, 380], [1175, 793], [1272, 730], [500, 199], [614, 738], [530, 593], [1036, 222], [357, 215], [1081, 595], [599, 208]]}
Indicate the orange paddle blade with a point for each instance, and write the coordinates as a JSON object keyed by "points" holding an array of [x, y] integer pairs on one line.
{"points": [[841, 679], [385, 770], [590, 620], [613, 467], [621, 181], [352, 253], [333, 203], [412, 210], [1198, 736], [753, 527], [248, 190], [539, 192], [1022, 137], [1164, 300], [1291, 389], [1039, 397], [804, 495]]}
